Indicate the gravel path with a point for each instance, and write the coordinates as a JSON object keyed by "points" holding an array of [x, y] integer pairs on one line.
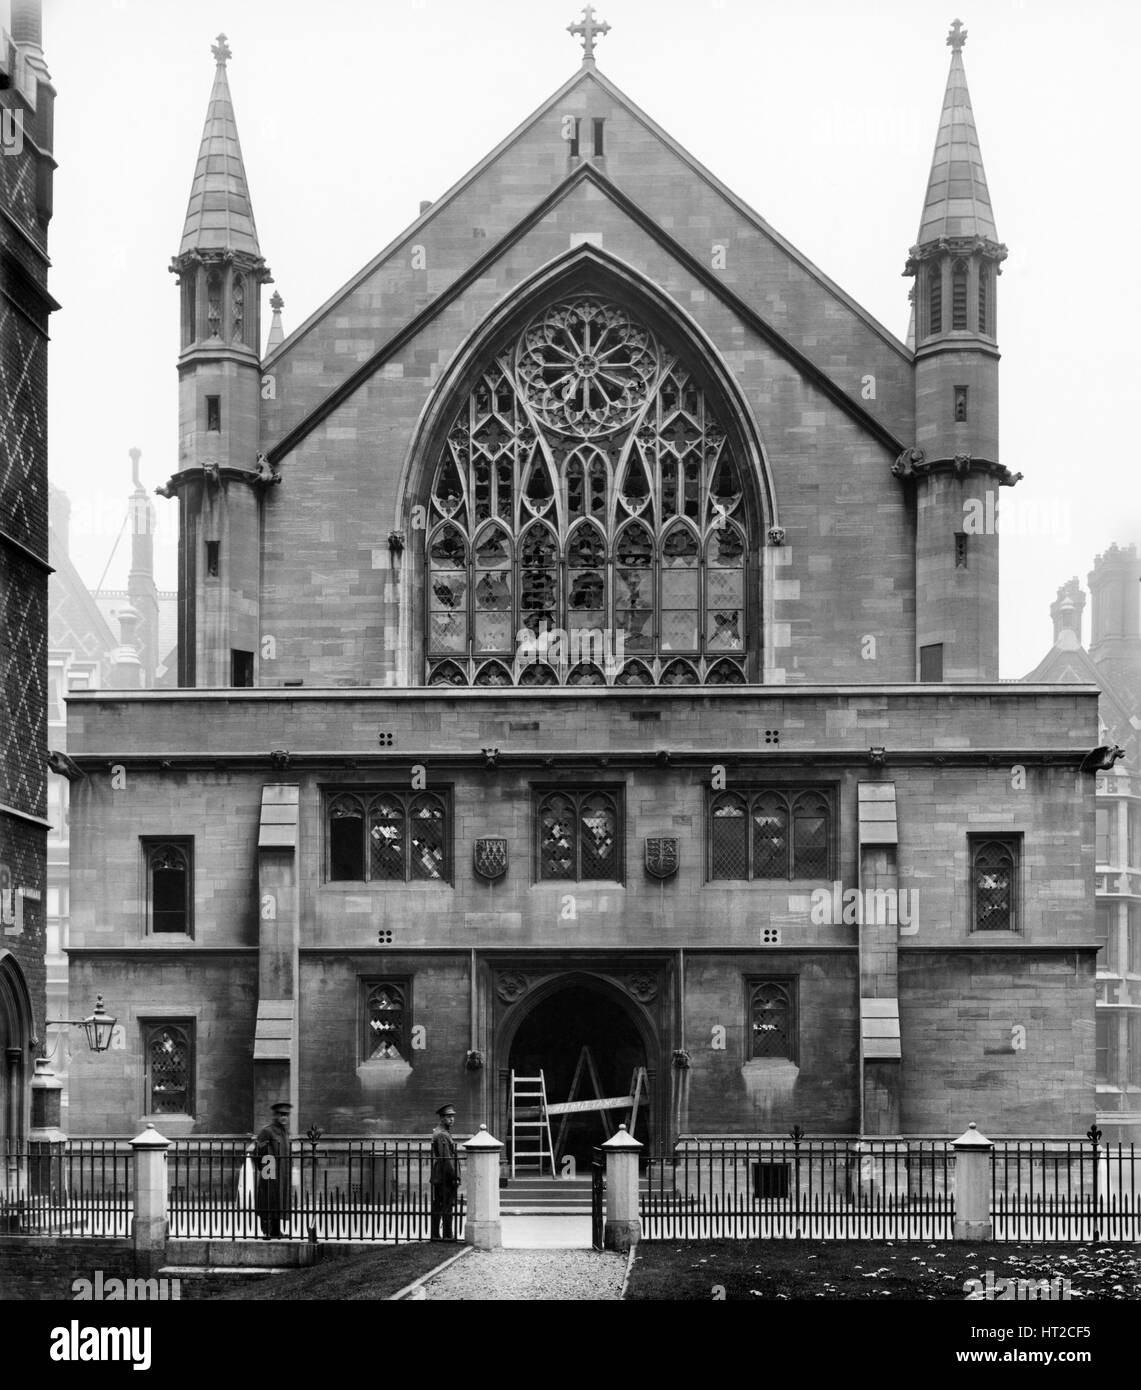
{"points": [[555, 1275]]}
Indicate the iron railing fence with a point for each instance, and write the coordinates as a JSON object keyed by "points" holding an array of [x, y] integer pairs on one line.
{"points": [[336, 1189], [81, 1187], [849, 1188], [801, 1189], [1065, 1190]]}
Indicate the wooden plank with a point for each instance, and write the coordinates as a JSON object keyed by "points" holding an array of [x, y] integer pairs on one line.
{"points": [[568, 1107]]}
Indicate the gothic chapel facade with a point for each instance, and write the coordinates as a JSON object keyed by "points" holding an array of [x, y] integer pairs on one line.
{"points": [[576, 621]]}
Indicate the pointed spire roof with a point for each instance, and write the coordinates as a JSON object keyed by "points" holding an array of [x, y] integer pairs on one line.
{"points": [[957, 203], [276, 332], [219, 213]]}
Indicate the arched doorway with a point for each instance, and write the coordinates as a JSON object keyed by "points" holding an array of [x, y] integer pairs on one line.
{"points": [[15, 1037], [571, 1026]]}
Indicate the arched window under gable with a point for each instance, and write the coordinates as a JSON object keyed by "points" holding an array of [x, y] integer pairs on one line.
{"points": [[588, 516]]}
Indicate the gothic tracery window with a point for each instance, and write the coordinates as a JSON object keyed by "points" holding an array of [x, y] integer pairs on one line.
{"points": [[169, 1053], [994, 884], [772, 1019], [580, 835], [588, 520], [393, 836], [386, 1022], [771, 834]]}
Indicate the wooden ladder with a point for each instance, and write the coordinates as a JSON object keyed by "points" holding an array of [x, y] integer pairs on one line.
{"points": [[530, 1124]]}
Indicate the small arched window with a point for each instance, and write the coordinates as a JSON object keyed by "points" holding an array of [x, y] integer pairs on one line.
{"points": [[959, 272], [388, 837], [238, 308], [169, 1069], [934, 297], [214, 303], [168, 865], [984, 298], [994, 885], [772, 1019], [386, 1022]]}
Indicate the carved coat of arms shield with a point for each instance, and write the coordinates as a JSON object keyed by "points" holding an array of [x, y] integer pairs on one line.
{"points": [[490, 856], [661, 855]]}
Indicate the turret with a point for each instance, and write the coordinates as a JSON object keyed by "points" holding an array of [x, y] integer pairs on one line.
{"points": [[220, 272], [1115, 620], [954, 466], [1066, 612]]}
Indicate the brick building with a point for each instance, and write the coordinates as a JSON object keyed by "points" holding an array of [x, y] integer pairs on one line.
{"points": [[1113, 661], [26, 171], [579, 615]]}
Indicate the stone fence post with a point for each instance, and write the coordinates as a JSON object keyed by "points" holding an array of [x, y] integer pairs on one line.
{"points": [[623, 1222], [973, 1219], [149, 1228], [483, 1228]]}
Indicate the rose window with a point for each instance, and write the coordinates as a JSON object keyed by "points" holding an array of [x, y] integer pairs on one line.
{"points": [[586, 368]]}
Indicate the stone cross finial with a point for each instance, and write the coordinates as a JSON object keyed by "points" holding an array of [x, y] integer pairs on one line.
{"points": [[276, 303], [588, 28], [958, 36], [221, 51]]}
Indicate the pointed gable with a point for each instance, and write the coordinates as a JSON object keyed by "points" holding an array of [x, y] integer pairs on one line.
{"points": [[219, 213]]}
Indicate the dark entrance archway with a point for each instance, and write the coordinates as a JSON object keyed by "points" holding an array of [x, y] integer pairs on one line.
{"points": [[551, 1037], [15, 1037]]}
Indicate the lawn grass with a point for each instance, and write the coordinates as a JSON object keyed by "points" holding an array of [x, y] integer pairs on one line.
{"points": [[373, 1274], [878, 1270]]}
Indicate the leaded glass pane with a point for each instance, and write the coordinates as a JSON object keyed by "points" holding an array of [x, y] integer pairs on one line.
{"points": [[386, 839], [558, 837], [728, 851], [169, 1058], [993, 872], [599, 836], [426, 838], [494, 611], [386, 1018], [170, 888], [770, 837], [810, 837], [770, 1019]]}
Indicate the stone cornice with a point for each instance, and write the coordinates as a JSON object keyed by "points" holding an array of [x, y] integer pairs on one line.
{"points": [[955, 246], [914, 464]]}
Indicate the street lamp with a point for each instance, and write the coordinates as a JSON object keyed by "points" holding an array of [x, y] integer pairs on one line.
{"points": [[99, 1027]]}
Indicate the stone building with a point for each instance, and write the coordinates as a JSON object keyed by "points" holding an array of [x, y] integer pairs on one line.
{"points": [[26, 172], [1113, 661], [101, 640], [584, 644]]}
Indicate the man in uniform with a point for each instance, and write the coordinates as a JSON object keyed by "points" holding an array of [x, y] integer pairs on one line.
{"points": [[445, 1175], [272, 1171]]}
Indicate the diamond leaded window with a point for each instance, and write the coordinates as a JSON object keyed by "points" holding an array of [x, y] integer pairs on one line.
{"points": [[770, 833], [772, 1019], [386, 1021], [994, 884], [588, 519], [580, 835], [169, 1055], [388, 836]]}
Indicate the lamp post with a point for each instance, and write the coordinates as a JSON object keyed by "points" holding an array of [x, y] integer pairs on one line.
{"points": [[99, 1027]]}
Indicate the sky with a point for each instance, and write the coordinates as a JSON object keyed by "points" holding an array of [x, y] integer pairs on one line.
{"points": [[820, 114]]}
